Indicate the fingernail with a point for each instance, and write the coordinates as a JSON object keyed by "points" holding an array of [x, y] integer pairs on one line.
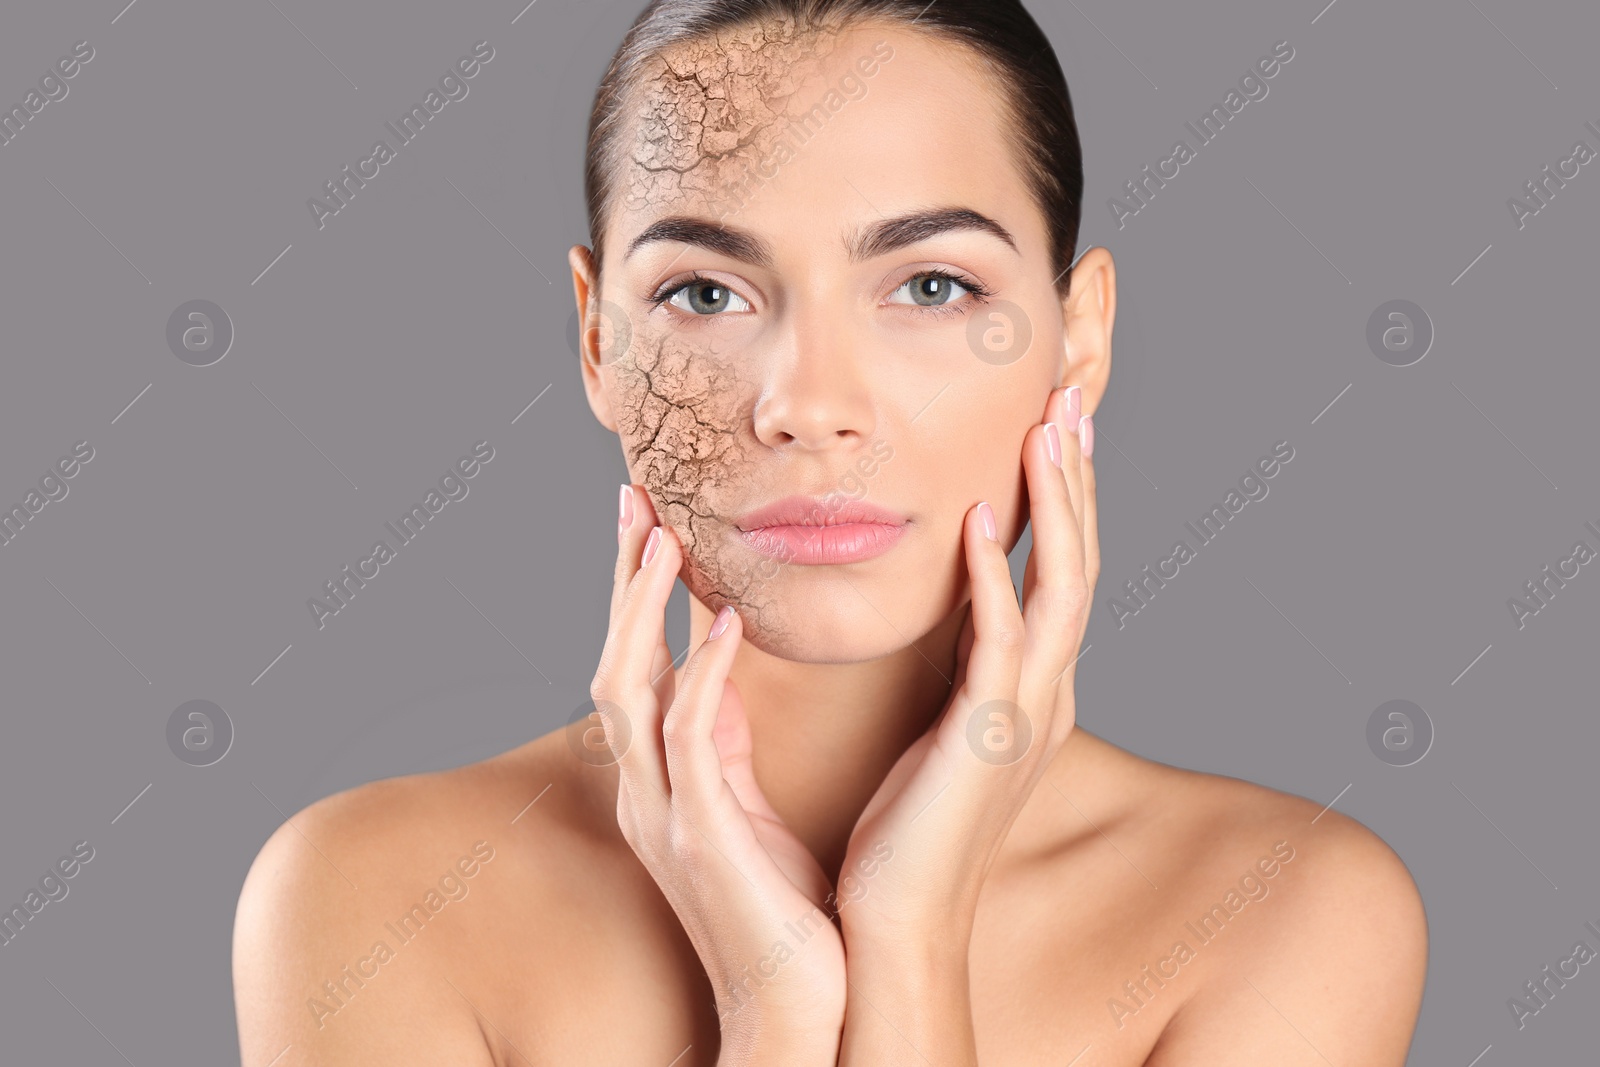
{"points": [[1052, 442], [1086, 435], [986, 513], [624, 510], [1074, 407], [724, 617], [651, 545]]}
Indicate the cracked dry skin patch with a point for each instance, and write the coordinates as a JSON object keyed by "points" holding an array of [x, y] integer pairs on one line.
{"points": [[682, 416], [713, 111]]}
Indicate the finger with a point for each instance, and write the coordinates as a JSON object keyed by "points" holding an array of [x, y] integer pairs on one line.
{"points": [[736, 752], [995, 663], [1060, 411], [1069, 418], [1065, 708], [636, 517], [624, 677], [1069, 407], [694, 768], [1054, 598], [963, 652], [1090, 512]]}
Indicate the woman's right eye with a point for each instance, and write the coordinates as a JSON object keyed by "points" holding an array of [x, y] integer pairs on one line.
{"points": [[701, 296]]}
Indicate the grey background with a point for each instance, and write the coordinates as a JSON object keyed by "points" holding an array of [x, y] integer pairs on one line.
{"points": [[375, 352]]}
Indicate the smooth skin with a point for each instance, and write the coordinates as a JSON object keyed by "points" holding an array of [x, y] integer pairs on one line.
{"points": [[987, 912]]}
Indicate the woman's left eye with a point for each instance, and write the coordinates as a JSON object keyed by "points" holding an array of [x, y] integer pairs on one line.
{"points": [[703, 297], [931, 289]]}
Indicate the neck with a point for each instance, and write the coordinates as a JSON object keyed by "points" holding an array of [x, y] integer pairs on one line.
{"points": [[825, 735]]}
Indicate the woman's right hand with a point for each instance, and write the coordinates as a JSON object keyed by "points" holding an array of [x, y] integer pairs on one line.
{"points": [[747, 891]]}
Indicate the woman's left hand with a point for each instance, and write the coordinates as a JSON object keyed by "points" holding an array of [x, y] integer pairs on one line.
{"points": [[943, 811]]}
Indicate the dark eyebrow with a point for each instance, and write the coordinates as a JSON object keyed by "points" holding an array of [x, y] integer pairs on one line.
{"points": [[724, 240], [889, 235], [878, 239]]}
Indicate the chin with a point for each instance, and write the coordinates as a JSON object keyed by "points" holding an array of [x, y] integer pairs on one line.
{"points": [[836, 641], [833, 615]]}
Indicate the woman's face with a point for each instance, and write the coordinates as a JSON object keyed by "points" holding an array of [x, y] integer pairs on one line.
{"points": [[825, 277]]}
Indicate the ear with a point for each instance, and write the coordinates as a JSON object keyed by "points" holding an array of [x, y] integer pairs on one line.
{"points": [[1088, 314], [585, 290]]}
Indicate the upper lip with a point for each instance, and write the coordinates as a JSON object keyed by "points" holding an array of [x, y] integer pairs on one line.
{"points": [[816, 511]]}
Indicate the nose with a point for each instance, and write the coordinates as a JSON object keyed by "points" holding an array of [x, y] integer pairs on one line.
{"points": [[817, 397]]}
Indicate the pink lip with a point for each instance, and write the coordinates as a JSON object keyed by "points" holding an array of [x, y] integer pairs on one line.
{"points": [[802, 529]]}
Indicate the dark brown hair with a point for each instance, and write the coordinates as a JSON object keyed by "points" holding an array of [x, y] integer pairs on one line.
{"points": [[1042, 130]]}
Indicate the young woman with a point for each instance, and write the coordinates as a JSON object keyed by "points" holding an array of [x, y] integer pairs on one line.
{"points": [[836, 321]]}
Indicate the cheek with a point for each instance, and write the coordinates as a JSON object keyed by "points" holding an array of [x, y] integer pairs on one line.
{"points": [[973, 454], [680, 413], [980, 446], [684, 419]]}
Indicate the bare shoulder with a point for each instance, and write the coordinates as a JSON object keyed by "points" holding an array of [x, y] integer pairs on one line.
{"points": [[1310, 928], [1334, 853], [364, 909]]}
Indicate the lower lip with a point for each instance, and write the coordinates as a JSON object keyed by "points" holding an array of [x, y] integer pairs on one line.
{"points": [[850, 542]]}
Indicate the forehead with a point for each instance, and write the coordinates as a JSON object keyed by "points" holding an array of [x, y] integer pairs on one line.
{"points": [[768, 129]]}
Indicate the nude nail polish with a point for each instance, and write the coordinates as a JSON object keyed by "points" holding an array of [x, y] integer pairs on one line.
{"points": [[624, 511], [1086, 435], [651, 545], [986, 513], [1074, 407], [1052, 442], [724, 617]]}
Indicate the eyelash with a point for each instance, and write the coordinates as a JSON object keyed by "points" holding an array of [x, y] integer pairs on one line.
{"points": [[976, 289], [979, 292], [670, 289]]}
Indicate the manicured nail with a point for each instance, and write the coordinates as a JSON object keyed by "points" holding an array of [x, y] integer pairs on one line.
{"points": [[1086, 435], [986, 513], [1052, 442], [1074, 407], [651, 545], [624, 511], [724, 617]]}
